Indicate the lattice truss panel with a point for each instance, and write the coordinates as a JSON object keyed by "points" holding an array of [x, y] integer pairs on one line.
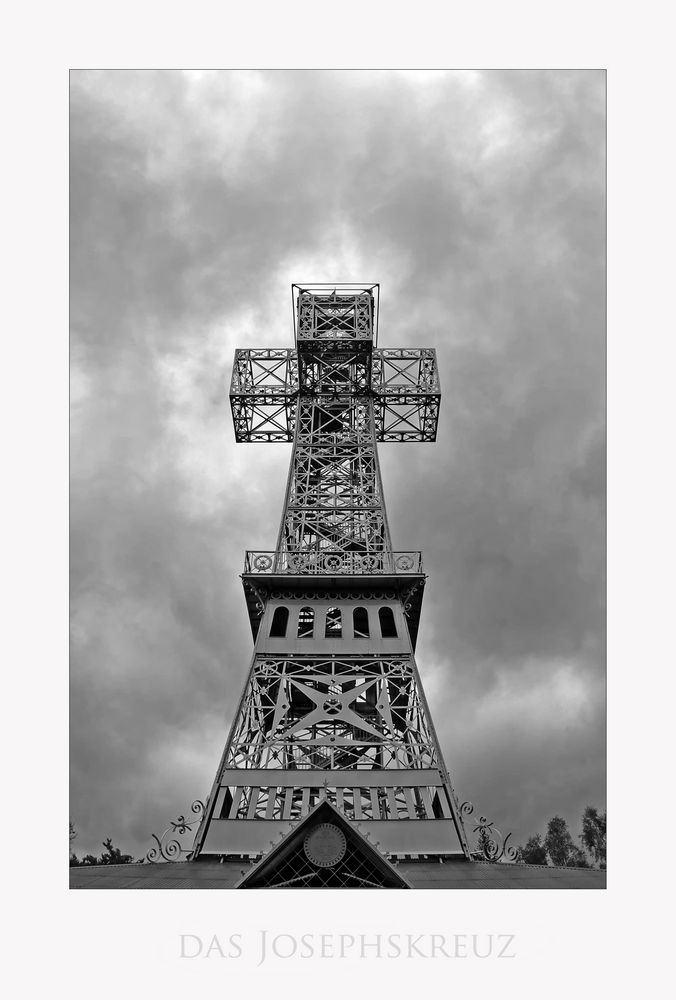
{"points": [[332, 713], [263, 394], [334, 502], [406, 386], [335, 369], [402, 383], [335, 317]]}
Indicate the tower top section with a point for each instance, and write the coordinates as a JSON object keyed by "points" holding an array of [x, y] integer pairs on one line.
{"points": [[335, 355], [326, 316]]}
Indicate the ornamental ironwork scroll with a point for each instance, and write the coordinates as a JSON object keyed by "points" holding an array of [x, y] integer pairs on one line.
{"points": [[168, 847], [491, 845]]}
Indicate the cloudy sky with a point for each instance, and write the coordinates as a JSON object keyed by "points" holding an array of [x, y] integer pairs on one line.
{"points": [[477, 201]]}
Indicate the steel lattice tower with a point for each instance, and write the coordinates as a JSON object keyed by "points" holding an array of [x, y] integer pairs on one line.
{"points": [[333, 710]]}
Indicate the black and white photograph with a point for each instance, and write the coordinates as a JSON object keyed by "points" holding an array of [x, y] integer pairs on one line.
{"points": [[337, 462], [330, 330], [338, 499]]}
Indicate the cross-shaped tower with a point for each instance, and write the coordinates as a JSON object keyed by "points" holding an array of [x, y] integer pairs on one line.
{"points": [[333, 715]]}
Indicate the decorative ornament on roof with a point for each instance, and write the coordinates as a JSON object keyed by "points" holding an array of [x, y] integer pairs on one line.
{"points": [[168, 847], [491, 845]]}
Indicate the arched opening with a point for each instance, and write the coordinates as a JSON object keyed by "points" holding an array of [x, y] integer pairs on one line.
{"points": [[388, 629], [306, 623], [280, 620], [360, 623], [334, 624]]}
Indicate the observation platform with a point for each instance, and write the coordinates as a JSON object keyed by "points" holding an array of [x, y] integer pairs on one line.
{"points": [[334, 562], [334, 573]]}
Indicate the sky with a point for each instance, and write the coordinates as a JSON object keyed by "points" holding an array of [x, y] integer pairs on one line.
{"points": [[477, 201]]}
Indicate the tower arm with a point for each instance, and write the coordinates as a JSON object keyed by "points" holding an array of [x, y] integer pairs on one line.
{"points": [[405, 383], [263, 394]]}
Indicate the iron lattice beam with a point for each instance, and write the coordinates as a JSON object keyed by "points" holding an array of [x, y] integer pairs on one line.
{"points": [[322, 713], [402, 383], [263, 394]]}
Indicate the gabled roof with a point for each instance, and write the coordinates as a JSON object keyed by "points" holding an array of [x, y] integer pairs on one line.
{"points": [[289, 864]]}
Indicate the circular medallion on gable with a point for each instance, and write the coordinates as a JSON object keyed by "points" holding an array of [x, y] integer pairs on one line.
{"points": [[325, 845]]}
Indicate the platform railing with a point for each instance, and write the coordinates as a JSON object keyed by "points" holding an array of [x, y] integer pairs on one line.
{"points": [[333, 562]]}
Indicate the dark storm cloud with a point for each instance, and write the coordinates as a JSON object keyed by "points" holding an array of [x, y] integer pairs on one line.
{"points": [[477, 201]]}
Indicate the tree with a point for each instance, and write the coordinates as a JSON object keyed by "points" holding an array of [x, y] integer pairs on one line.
{"points": [[72, 834], [578, 859], [534, 853], [593, 835], [560, 846], [558, 841], [113, 855]]}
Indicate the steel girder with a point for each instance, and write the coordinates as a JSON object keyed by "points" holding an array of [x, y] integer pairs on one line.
{"points": [[334, 499], [402, 385], [314, 712]]}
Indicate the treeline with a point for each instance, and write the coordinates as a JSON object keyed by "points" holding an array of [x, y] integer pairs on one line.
{"points": [[558, 847], [111, 855]]}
